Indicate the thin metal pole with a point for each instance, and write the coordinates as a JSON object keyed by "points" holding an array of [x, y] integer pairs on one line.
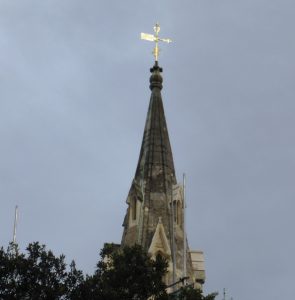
{"points": [[15, 224], [184, 231]]}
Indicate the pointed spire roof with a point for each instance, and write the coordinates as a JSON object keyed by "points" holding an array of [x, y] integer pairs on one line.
{"points": [[155, 165]]}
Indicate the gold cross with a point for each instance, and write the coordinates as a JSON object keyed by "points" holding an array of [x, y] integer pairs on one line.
{"points": [[155, 38]]}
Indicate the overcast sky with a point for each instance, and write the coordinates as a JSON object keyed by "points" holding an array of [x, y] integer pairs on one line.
{"points": [[73, 100]]}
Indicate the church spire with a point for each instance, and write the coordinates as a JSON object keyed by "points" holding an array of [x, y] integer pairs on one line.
{"points": [[154, 217], [150, 194], [155, 165]]}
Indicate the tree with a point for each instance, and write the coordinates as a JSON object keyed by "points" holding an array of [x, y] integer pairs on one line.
{"points": [[37, 275], [125, 274], [189, 293]]}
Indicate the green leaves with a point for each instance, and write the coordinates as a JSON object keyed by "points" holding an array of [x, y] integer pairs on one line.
{"points": [[122, 274], [36, 275], [126, 273], [189, 293], [129, 273]]}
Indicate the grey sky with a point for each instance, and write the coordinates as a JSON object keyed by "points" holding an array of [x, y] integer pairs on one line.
{"points": [[73, 101]]}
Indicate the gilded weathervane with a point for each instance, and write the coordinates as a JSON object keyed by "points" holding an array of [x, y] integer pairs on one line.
{"points": [[155, 38]]}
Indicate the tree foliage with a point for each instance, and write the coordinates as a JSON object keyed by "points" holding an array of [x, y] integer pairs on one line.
{"points": [[126, 274], [121, 274], [37, 275], [189, 293]]}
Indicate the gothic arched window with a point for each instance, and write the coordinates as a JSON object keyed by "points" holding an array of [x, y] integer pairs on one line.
{"points": [[178, 220], [175, 211], [133, 208]]}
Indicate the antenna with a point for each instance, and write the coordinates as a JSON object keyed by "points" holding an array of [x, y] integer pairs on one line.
{"points": [[15, 224], [184, 231]]}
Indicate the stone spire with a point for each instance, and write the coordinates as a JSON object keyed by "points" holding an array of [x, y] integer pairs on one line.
{"points": [[150, 193], [151, 220], [155, 165]]}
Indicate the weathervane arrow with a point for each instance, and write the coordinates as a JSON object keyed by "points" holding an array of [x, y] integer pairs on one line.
{"points": [[155, 38]]}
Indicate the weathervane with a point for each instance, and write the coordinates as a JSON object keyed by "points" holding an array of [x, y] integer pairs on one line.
{"points": [[155, 38]]}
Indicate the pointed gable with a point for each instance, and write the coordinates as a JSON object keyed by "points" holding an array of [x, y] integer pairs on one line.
{"points": [[160, 243]]}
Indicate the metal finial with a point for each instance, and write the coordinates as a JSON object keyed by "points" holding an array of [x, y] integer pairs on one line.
{"points": [[157, 29], [155, 38]]}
